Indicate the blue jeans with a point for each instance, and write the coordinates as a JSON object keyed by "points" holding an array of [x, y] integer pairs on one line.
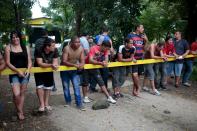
{"points": [[178, 68], [149, 71], [170, 68], [160, 69], [188, 65], [104, 73], [66, 76], [118, 76]]}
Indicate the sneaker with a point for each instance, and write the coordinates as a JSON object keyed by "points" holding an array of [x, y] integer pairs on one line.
{"points": [[159, 88], [156, 92], [145, 88], [54, 89], [86, 100], [163, 88], [82, 108], [115, 96], [120, 95], [66, 105], [110, 99], [48, 108], [187, 84]]}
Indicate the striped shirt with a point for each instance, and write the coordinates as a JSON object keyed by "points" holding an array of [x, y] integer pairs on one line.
{"points": [[138, 43]]}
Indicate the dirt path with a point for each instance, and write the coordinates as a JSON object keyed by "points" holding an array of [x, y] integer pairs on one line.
{"points": [[174, 110]]}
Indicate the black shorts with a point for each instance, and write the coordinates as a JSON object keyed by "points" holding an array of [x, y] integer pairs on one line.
{"points": [[44, 80], [138, 69], [92, 73]]}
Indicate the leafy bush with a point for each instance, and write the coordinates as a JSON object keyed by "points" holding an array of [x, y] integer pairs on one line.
{"points": [[194, 73]]}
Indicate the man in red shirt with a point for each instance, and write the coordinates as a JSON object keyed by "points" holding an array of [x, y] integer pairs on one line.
{"points": [[189, 65], [98, 55], [194, 47]]}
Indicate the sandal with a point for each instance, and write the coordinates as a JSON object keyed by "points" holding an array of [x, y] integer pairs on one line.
{"points": [[177, 85], [49, 108], [20, 116], [41, 109]]}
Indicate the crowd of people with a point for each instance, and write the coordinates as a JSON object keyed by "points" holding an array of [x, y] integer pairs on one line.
{"points": [[83, 50]]}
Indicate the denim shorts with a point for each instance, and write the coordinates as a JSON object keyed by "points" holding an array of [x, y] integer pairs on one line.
{"points": [[178, 69], [15, 79], [170, 68], [149, 72], [118, 76]]}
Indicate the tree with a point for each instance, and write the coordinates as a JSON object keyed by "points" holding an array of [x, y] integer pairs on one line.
{"points": [[191, 9], [71, 9], [13, 13], [124, 18], [159, 19], [187, 11], [90, 15], [62, 16]]}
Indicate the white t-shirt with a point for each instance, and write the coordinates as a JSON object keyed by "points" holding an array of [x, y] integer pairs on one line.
{"points": [[84, 43]]}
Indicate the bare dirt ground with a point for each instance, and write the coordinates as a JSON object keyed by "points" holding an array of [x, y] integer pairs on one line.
{"points": [[174, 110]]}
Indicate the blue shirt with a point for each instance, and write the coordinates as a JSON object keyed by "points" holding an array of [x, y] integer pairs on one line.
{"points": [[100, 38], [181, 47]]}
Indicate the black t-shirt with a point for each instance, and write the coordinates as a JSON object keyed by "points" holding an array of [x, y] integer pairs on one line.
{"points": [[126, 53], [47, 58]]}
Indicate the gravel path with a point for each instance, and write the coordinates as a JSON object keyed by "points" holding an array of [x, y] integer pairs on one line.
{"points": [[174, 110]]}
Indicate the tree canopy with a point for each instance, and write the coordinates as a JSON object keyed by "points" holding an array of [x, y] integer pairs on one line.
{"points": [[158, 16], [173, 15], [77, 16], [13, 13], [90, 15]]}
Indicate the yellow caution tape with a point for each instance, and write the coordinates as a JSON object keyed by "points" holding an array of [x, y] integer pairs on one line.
{"points": [[7, 71]]}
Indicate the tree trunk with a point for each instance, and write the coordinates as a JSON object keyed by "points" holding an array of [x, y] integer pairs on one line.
{"points": [[78, 21], [192, 26], [16, 14]]}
